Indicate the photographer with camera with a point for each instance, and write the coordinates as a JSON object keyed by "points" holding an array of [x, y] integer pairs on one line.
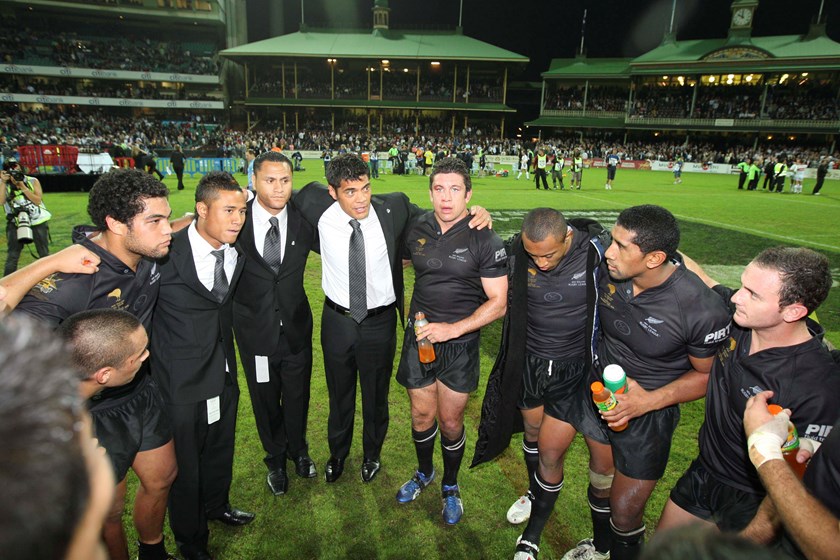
{"points": [[26, 215]]}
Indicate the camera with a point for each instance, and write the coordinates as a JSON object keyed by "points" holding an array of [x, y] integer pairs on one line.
{"points": [[17, 175], [24, 229]]}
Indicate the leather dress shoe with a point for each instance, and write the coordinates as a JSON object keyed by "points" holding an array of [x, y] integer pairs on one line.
{"points": [[278, 481], [305, 467], [333, 469], [370, 467], [235, 517]]}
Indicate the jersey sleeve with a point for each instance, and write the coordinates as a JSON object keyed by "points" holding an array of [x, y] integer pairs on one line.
{"points": [[492, 255], [56, 297], [708, 323]]}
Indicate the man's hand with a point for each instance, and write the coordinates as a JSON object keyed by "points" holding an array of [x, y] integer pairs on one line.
{"points": [[437, 332], [765, 432], [75, 259], [481, 218], [632, 404]]}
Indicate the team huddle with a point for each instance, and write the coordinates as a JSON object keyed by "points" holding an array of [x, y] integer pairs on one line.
{"points": [[574, 298]]}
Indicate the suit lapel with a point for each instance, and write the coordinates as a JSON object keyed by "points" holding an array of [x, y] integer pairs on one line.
{"points": [[182, 260], [386, 220]]}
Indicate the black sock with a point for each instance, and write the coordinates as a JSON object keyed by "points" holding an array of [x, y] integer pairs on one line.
{"points": [[424, 444], [599, 509], [532, 459], [545, 496], [155, 551], [453, 453], [626, 545]]}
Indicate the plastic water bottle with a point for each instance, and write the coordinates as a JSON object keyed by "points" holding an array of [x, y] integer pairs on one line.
{"points": [[604, 400], [425, 350], [615, 379], [791, 445]]}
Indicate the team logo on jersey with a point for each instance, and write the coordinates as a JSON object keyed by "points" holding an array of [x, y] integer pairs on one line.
{"points": [[622, 327], [726, 350], [750, 392], [48, 285], [578, 279], [116, 293], [648, 325], [419, 248], [155, 275], [579, 275], [553, 297], [606, 298], [434, 263], [421, 241], [532, 271], [459, 254], [119, 303]]}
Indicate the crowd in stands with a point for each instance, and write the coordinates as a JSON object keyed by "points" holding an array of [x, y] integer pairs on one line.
{"points": [[395, 85], [97, 130], [787, 101], [23, 45], [148, 90]]}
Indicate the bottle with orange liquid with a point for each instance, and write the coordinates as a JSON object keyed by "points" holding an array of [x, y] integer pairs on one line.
{"points": [[604, 400], [425, 350], [791, 445]]}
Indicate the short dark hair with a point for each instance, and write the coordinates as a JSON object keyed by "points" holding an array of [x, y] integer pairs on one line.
{"points": [[210, 184], [275, 157], [121, 194], [97, 338], [805, 275], [654, 228], [539, 223], [43, 473], [346, 167], [451, 165]]}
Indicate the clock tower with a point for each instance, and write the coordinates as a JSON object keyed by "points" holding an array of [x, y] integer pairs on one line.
{"points": [[743, 14]]}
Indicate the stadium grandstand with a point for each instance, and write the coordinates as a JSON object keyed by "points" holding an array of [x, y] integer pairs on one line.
{"points": [[740, 93], [374, 77]]}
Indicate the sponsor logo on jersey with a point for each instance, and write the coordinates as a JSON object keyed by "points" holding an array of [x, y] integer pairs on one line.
{"points": [[622, 327], [817, 432], [119, 303], [501, 254], [726, 350], [717, 336], [553, 297], [48, 285]]}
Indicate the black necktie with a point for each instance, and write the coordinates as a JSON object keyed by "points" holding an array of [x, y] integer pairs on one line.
{"points": [[271, 246], [220, 282], [358, 282]]}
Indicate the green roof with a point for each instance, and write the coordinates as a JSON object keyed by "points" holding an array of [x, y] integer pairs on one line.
{"points": [[776, 53], [588, 68], [430, 45]]}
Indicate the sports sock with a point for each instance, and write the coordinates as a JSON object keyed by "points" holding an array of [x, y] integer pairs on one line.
{"points": [[453, 453], [532, 458], [424, 444], [627, 545], [155, 551], [545, 496], [599, 509]]}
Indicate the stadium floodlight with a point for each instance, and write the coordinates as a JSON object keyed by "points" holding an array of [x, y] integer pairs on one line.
{"points": [[435, 63], [386, 62], [711, 79]]}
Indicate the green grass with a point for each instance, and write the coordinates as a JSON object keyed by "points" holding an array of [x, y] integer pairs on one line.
{"points": [[723, 228]]}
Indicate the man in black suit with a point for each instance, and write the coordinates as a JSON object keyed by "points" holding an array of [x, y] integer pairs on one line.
{"points": [[358, 336], [194, 364], [273, 321]]}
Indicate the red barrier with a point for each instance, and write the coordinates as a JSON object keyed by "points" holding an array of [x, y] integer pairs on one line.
{"points": [[124, 162], [62, 159]]}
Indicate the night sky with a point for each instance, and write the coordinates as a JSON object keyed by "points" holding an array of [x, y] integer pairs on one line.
{"points": [[548, 29]]}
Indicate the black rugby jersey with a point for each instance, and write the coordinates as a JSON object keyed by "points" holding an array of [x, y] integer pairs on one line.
{"points": [[557, 304], [803, 377], [115, 286], [653, 334], [448, 268]]}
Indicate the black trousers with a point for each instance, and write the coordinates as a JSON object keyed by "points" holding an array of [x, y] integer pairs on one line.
{"points": [[818, 185], [741, 179], [358, 350], [753, 184], [281, 405], [179, 172], [204, 453], [540, 174], [40, 238]]}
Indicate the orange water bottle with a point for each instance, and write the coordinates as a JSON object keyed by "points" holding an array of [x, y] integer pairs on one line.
{"points": [[425, 350], [791, 445], [604, 400]]}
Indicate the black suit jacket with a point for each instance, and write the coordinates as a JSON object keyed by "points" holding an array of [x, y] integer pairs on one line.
{"points": [[395, 212], [263, 299], [192, 334]]}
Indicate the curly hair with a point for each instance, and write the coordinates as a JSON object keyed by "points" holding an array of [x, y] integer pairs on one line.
{"points": [[121, 194], [805, 275], [451, 165], [654, 227], [346, 167]]}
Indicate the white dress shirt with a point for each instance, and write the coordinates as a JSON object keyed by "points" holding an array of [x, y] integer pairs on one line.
{"points": [[205, 262], [334, 230], [260, 217]]}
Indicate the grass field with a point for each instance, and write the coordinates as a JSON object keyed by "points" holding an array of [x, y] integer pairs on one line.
{"points": [[722, 228]]}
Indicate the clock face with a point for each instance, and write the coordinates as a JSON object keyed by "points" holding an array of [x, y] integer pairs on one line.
{"points": [[742, 17]]}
